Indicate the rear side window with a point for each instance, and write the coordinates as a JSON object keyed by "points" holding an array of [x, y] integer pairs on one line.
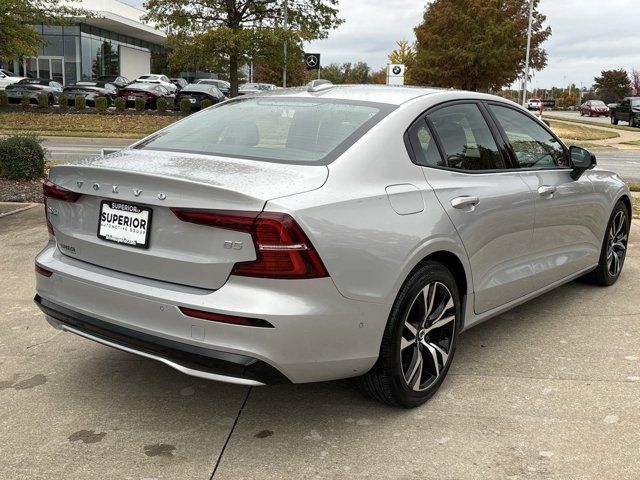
{"points": [[466, 138], [424, 146], [533, 145], [286, 130]]}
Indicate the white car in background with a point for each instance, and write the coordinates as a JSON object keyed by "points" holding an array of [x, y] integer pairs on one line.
{"points": [[7, 77], [161, 79]]}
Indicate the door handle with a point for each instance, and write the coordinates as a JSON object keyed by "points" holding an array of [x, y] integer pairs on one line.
{"points": [[546, 190], [464, 202]]}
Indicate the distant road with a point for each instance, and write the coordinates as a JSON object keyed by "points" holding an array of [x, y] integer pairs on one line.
{"points": [[70, 148], [625, 163], [576, 116]]}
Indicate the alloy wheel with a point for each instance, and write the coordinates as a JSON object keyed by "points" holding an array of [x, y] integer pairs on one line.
{"points": [[427, 336], [617, 239]]}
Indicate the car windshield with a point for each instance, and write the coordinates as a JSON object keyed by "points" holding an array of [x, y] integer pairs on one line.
{"points": [[285, 130], [7, 73], [34, 81], [635, 102], [199, 88], [597, 103], [142, 86]]}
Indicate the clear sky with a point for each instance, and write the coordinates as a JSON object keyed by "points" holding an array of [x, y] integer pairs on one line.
{"points": [[588, 35]]}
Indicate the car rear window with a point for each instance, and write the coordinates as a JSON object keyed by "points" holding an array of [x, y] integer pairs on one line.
{"points": [[284, 130]]}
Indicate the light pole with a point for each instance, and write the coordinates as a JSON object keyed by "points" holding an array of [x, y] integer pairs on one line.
{"points": [[526, 62], [284, 70]]}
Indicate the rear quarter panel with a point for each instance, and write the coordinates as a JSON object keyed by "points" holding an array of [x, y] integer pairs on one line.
{"points": [[368, 248]]}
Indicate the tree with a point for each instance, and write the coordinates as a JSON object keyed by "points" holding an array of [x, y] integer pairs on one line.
{"points": [[235, 30], [635, 81], [379, 76], [337, 73], [612, 85], [18, 38], [455, 49]]}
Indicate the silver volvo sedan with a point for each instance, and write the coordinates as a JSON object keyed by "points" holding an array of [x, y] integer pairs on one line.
{"points": [[325, 232]]}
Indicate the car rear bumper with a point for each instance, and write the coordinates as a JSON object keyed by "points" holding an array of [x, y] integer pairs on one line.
{"points": [[192, 360], [318, 334]]}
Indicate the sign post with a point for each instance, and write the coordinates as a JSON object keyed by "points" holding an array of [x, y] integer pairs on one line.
{"points": [[395, 74], [312, 61]]}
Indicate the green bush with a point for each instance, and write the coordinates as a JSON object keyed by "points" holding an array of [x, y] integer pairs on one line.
{"points": [[80, 102], [120, 104], [25, 101], [43, 100], [205, 103], [4, 99], [101, 104], [161, 104], [139, 103], [21, 158], [185, 105], [63, 101]]}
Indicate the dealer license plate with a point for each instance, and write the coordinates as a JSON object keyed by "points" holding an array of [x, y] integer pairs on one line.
{"points": [[124, 223], [131, 98]]}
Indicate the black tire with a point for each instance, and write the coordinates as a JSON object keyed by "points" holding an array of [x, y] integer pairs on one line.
{"points": [[603, 274], [52, 100], [614, 120], [386, 381], [632, 121]]}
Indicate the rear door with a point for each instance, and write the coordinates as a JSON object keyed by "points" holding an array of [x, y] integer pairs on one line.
{"points": [[487, 201], [566, 234]]}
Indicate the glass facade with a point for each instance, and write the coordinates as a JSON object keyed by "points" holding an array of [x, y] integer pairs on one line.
{"points": [[81, 52]]}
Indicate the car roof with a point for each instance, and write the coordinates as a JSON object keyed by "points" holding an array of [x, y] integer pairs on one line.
{"points": [[390, 94]]}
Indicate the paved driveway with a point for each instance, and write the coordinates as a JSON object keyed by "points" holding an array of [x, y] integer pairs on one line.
{"points": [[550, 390]]}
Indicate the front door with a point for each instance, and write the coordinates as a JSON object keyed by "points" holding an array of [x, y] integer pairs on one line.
{"points": [[566, 235], [489, 204]]}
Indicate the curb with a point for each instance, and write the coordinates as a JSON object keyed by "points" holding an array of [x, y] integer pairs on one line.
{"points": [[28, 206]]}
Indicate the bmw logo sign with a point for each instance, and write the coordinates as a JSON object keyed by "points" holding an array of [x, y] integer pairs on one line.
{"points": [[397, 70]]}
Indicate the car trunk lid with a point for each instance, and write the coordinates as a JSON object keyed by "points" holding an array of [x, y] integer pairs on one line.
{"points": [[178, 251]]}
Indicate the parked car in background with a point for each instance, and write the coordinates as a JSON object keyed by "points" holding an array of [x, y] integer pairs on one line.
{"points": [[149, 92], [533, 104], [90, 90], [33, 87], [180, 83], [196, 93], [159, 79], [223, 86], [234, 251], [7, 77], [118, 80], [594, 108], [247, 88], [628, 110]]}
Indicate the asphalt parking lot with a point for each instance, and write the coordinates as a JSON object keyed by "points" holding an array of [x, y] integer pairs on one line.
{"points": [[550, 390]]}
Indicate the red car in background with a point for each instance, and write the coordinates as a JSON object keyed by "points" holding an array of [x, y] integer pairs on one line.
{"points": [[149, 92], [594, 108]]}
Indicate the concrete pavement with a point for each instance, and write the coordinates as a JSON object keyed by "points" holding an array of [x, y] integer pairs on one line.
{"points": [[550, 390]]}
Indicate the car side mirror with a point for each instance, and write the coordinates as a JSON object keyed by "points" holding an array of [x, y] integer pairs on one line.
{"points": [[581, 161]]}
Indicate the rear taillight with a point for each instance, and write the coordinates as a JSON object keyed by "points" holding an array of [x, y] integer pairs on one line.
{"points": [[282, 248], [51, 190]]}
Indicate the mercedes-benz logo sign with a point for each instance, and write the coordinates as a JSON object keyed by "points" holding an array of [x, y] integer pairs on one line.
{"points": [[312, 61], [397, 70]]}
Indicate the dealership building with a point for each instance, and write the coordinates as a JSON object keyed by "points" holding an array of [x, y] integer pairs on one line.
{"points": [[112, 41]]}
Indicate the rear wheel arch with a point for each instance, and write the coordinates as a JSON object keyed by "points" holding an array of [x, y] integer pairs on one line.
{"points": [[452, 263], [627, 203]]}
